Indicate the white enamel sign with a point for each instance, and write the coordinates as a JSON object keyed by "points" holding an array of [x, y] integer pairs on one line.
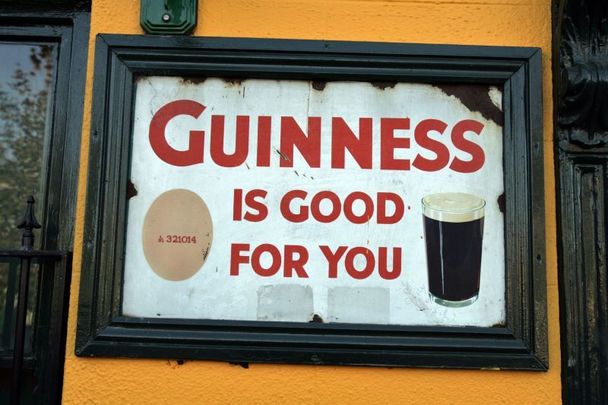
{"points": [[282, 200]]}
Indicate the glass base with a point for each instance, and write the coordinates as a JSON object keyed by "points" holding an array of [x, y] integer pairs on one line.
{"points": [[453, 304]]}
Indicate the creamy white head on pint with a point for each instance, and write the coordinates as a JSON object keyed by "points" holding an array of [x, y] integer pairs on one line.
{"points": [[453, 207]]}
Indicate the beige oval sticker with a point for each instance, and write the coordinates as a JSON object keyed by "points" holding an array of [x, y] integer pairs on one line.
{"points": [[177, 234]]}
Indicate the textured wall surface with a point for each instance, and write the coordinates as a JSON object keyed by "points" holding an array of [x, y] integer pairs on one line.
{"points": [[472, 22]]}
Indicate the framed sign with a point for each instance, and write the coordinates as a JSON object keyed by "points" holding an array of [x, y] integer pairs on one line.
{"points": [[315, 202]]}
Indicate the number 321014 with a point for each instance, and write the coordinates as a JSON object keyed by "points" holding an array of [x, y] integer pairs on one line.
{"points": [[176, 239]]}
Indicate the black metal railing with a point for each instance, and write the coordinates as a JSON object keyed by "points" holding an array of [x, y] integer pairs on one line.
{"points": [[25, 256]]}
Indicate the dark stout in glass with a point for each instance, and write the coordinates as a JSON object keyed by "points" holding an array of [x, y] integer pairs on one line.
{"points": [[453, 227], [453, 259]]}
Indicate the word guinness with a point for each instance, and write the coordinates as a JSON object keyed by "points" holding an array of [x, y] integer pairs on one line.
{"points": [[308, 141]]}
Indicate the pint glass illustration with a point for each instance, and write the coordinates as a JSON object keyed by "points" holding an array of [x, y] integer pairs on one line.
{"points": [[453, 228]]}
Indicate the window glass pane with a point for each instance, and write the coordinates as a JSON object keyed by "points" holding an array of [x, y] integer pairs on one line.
{"points": [[27, 73]]}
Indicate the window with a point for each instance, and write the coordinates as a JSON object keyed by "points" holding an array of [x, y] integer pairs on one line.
{"points": [[42, 77]]}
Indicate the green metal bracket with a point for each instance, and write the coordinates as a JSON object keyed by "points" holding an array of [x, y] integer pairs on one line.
{"points": [[168, 16]]}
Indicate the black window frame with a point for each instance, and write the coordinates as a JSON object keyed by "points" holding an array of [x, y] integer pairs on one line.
{"points": [[102, 329]]}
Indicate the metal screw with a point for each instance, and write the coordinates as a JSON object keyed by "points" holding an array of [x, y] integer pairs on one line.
{"points": [[166, 17]]}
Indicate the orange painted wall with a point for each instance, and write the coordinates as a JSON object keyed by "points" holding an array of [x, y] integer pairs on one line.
{"points": [[474, 22]]}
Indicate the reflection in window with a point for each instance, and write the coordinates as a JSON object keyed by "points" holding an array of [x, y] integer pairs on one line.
{"points": [[26, 87]]}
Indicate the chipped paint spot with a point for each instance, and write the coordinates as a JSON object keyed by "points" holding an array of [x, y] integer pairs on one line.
{"points": [[131, 189], [384, 85], [501, 203], [319, 85], [193, 80], [235, 81], [316, 319], [476, 97], [141, 79]]}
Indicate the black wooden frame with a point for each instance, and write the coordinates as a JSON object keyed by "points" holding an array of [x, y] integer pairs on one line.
{"points": [[103, 331]]}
